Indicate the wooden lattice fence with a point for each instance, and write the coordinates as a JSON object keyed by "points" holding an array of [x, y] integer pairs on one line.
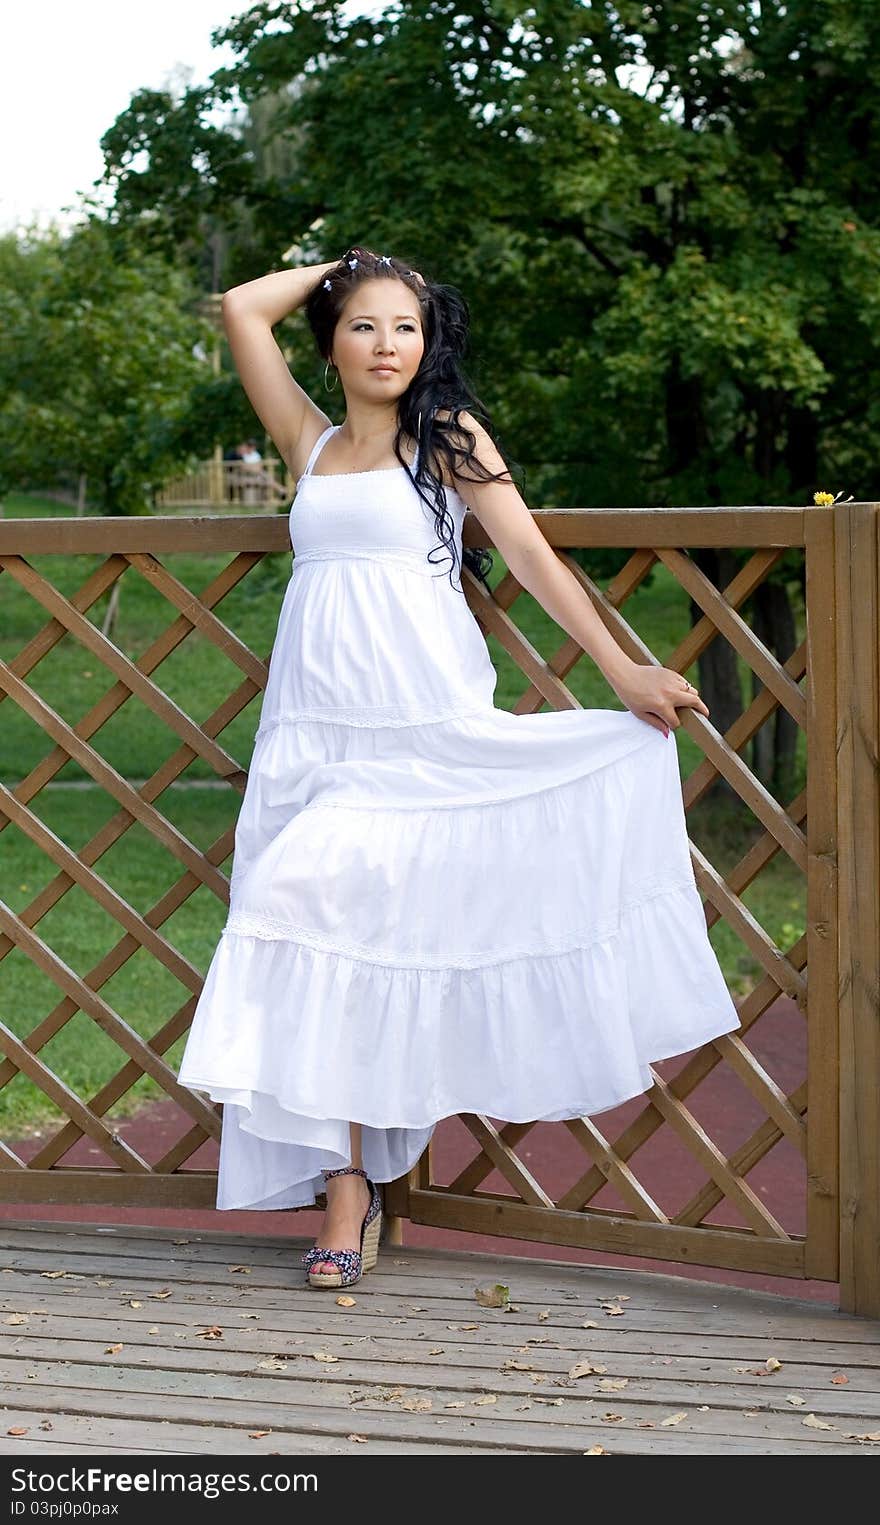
{"points": [[829, 833]]}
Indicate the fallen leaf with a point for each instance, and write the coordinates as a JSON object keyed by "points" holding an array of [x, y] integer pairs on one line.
{"points": [[17, 1318], [581, 1369], [112, 1350], [154, 1329], [241, 1270], [839, 1379], [771, 1364], [462, 1326], [272, 1364], [436, 1350], [613, 1297], [610, 1418], [180, 1241], [613, 1384], [813, 1423], [595, 1451], [345, 1301], [213, 1332], [53, 1275], [485, 1398], [673, 1419], [453, 1405], [704, 1409], [492, 1296], [514, 1365], [542, 1317], [18, 1429], [795, 1400], [590, 1324], [323, 1355], [254, 1315], [166, 1292], [552, 1402], [258, 1434], [872, 1435], [361, 1438], [613, 1310], [414, 1405], [133, 1303]]}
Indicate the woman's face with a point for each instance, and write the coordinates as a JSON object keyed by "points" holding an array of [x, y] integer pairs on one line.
{"points": [[379, 326]]}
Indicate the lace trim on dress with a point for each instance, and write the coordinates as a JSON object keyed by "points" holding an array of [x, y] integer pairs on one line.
{"points": [[250, 924], [368, 719], [396, 555]]}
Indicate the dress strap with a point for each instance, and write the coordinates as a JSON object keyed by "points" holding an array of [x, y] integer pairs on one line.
{"points": [[317, 448]]}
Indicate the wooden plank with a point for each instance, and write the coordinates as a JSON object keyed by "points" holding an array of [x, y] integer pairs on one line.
{"points": [[151, 695], [645, 1394], [154, 532], [179, 1344], [382, 1408], [616, 1171], [276, 1320], [56, 1243], [111, 780], [451, 1305], [30, 824], [84, 1434], [858, 742], [753, 525], [735, 1250], [190, 1188], [571, 1277], [737, 633], [822, 1257], [506, 1161], [308, 1434]]}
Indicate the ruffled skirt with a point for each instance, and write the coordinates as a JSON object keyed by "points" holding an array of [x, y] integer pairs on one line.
{"points": [[483, 913]]}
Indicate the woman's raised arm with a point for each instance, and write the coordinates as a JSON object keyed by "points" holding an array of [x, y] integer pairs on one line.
{"points": [[250, 312]]}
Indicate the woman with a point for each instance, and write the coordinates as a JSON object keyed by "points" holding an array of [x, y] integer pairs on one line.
{"points": [[436, 906]]}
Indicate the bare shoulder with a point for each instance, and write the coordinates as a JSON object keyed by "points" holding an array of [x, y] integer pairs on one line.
{"points": [[477, 439], [498, 504]]}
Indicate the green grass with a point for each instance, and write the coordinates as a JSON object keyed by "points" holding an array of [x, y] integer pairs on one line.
{"points": [[135, 742]]}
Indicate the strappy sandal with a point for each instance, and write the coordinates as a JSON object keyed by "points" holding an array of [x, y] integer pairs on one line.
{"points": [[352, 1264]]}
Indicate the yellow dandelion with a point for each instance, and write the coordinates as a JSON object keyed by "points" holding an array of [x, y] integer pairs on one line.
{"points": [[823, 499]]}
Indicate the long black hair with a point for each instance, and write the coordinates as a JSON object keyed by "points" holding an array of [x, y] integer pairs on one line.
{"points": [[439, 383]]}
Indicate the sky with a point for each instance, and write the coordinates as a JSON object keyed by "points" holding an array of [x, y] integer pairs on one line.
{"points": [[67, 71]]}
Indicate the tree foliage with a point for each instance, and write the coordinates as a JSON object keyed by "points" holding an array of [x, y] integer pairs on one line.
{"points": [[98, 365], [664, 216]]}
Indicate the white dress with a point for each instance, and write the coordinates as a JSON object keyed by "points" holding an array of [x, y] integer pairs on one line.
{"points": [[436, 906]]}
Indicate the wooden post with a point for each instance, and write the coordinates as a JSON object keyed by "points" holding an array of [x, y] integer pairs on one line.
{"points": [[858, 801], [822, 1249]]}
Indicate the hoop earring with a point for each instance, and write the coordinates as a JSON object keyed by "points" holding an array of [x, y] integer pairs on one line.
{"points": [[333, 388]]}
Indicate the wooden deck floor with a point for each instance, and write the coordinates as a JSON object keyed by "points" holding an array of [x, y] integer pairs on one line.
{"points": [[143, 1342]]}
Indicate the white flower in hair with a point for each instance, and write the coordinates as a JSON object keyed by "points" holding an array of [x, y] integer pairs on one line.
{"points": [[385, 259], [352, 263], [329, 285]]}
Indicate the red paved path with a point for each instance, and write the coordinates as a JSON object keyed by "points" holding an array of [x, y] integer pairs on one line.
{"points": [[721, 1104]]}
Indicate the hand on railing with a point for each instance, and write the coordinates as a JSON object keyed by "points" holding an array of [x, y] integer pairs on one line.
{"points": [[655, 693]]}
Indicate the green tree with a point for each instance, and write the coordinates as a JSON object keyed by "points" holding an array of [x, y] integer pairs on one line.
{"points": [[100, 360]]}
